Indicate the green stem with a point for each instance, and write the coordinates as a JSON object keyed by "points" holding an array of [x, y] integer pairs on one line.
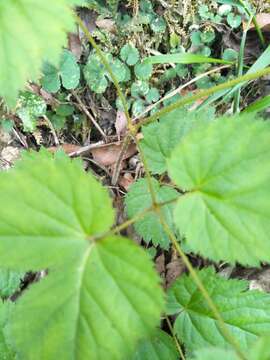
{"points": [[107, 66], [222, 326], [202, 94], [254, 20]]}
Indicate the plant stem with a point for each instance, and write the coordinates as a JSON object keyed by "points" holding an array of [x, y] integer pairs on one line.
{"points": [[108, 68], [223, 328], [202, 94], [178, 346]]}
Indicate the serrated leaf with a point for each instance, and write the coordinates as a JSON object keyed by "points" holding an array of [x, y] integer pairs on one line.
{"points": [[30, 106], [40, 29], [224, 168], [68, 71], [160, 138], [9, 282], [94, 290], [138, 199], [245, 313], [159, 347]]}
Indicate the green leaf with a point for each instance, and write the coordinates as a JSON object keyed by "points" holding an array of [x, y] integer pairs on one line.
{"points": [[130, 54], [258, 105], [9, 282], [260, 350], [95, 290], [234, 20], [158, 25], [40, 30], [183, 58], [30, 106], [68, 71], [6, 353], [160, 138], [139, 88], [152, 95], [159, 347], [224, 168], [245, 313], [139, 199], [230, 54], [212, 353], [143, 71], [97, 76]]}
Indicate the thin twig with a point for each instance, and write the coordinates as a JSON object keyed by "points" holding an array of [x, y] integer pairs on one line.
{"points": [[55, 137], [180, 88], [86, 148], [178, 346], [87, 113], [201, 94], [117, 167]]}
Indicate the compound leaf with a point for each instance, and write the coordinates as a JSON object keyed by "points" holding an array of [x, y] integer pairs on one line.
{"points": [[224, 167], [99, 297], [139, 199], [130, 54], [245, 313], [40, 30], [159, 347]]}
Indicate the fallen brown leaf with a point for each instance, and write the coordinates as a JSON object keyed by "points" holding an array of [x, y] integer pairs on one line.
{"points": [[68, 148], [126, 180], [174, 269], [120, 123], [263, 21], [75, 46], [108, 154]]}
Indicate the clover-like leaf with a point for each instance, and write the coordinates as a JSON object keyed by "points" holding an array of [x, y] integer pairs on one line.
{"points": [[97, 76], [68, 71], [245, 313], [130, 54], [95, 289], [143, 70], [224, 168], [40, 30], [139, 199], [159, 347], [30, 106], [160, 138]]}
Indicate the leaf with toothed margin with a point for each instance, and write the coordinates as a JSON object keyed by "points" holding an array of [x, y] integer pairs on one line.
{"points": [[246, 314], [99, 297], [225, 170]]}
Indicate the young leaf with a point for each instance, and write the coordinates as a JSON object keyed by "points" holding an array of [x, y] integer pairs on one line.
{"points": [[9, 282], [224, 168], [138, 199], [160, 346], [68, 71], [40, 30], [245, 313], [160, 138], [95, 290], [143, 70]]}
